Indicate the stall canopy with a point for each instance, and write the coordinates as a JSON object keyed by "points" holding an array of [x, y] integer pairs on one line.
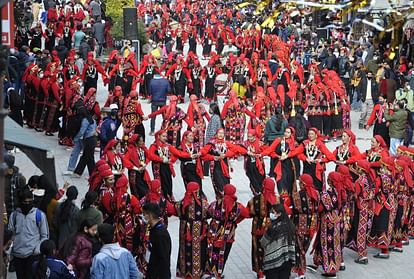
{"points": [[37, 152]]}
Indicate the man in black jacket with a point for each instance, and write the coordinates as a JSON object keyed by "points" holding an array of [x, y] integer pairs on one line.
{"points": [[368, 94], [160, 244]]}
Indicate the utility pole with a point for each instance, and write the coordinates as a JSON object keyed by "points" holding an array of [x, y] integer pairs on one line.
{"points": [[3, 113]]}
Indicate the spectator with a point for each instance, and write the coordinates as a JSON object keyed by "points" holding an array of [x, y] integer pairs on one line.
{"points": [[113, 261], [279, 244], [160, 243], [158, 89], [14, 182], [398, 123], [95, 10], [368, 94], [300, 124], [30, 228], [49, 267], [15, 102], [65, 217], [7, 242], [84, 48], [109, 127], [79, 250], [331, 61], [62, 51], [275, 126], [88, 210], [74, 122], [88, 135], [78, 36], [99, 35]]}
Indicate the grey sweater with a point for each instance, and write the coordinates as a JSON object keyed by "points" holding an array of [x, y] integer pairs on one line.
{"points": [[29, 234]]}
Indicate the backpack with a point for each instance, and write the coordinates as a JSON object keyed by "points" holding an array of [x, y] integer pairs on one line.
{"points": [[38, 218], [73, 126]]}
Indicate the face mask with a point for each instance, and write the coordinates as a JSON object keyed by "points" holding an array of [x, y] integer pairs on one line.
{"points": [[26, 208], [272, 216], [41, 75], [114, 113], [369, 77], [145, 220]]}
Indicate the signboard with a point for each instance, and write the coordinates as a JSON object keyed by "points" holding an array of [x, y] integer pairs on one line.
{"points": [[7, 25]]}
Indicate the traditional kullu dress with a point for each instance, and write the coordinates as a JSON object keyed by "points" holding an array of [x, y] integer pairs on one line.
{"points": [[234, 115], [53, 102], [114, 158], [404, 184], [314, 151], [32, 87], [364, 212], [254, 166], [40, 102], [219, 170], [374, 155], [172, 121], [163, 156], [192, 251], [259, 208], [328, 241], [305, 203], [225, 215], [195, 120], [137, 157], [210, 73], [385, 208], [286, 171], [191, 169], [125, 209]]}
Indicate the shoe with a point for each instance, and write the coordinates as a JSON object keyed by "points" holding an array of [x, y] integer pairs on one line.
{"points": [[260, 275], [342, 267], [382, 256], [397, 249], [68, 172], [405, 242], [312, 268], [300, 277], [49, 134], [363, 260], [75, 175], [329, 275], [151, 134]]}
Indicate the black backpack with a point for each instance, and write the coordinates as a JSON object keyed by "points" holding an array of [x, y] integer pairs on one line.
{"points": [[300, 127]]}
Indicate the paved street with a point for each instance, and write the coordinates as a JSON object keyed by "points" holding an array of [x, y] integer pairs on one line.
{"points": [[238, 266]]}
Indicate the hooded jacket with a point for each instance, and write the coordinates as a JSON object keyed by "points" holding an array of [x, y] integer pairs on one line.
{"points": [[114, 262]]}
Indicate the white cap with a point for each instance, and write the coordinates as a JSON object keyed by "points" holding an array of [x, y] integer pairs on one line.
{"points": [[113, 106]]}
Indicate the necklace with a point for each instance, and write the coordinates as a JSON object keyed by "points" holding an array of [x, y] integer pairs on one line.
{"points": [[210, 72], [311, 151], [343, 153], [177, 74]]}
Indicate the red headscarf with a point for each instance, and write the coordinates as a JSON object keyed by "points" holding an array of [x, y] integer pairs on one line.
{"points": [[389, 163], [172, 107], [381, 141], [348, 182], [229, 198], [351, 135], [317, 132], [90, 98], [234, 99], [109, 152], [406, 171], [269, 191], [190, 193], [366, 167], [154, 193], [122, 183], [194, 106], [307, 181], [337, 181]]}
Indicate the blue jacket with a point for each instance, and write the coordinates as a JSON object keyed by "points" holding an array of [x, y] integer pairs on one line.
{"points": [[56, 269], [114, 262], [109, 127], [86, 130], [158, 89]]}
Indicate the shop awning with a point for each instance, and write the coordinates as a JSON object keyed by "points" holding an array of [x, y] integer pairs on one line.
{"points": [[38, 153]]}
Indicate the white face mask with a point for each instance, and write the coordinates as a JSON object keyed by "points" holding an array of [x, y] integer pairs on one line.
{"points": [[145, 220], [272, 216]]}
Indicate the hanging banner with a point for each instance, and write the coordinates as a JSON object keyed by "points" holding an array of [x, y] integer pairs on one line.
{"points": [[7, 25]]}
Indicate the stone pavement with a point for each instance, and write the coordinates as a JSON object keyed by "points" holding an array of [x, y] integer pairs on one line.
{"points": [[239, 263]]}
